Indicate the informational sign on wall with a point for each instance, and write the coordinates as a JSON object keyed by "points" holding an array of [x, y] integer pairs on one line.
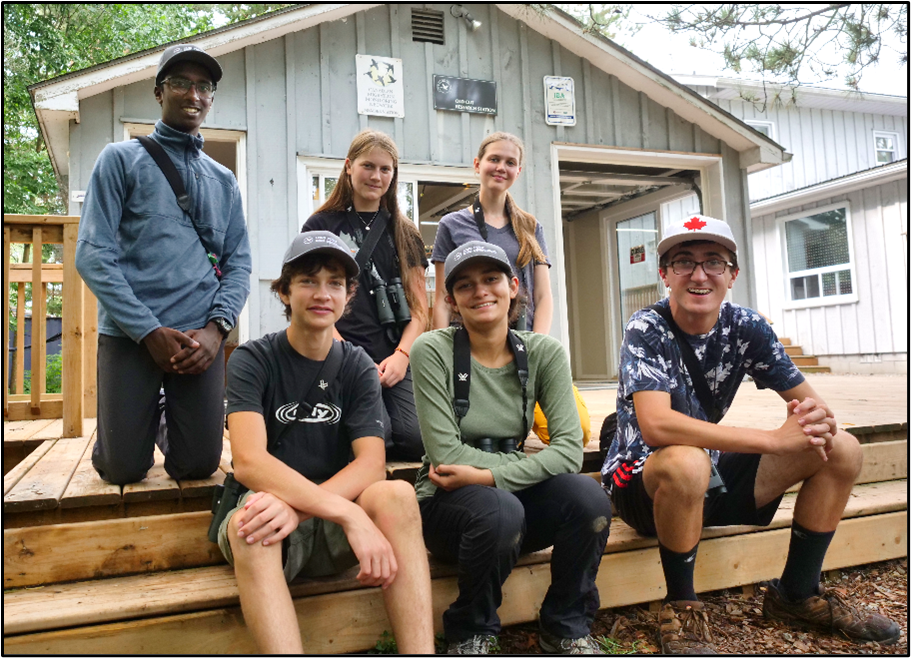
{"points": [[637, 254], [464, 95], [380, 87], [559, 101]]}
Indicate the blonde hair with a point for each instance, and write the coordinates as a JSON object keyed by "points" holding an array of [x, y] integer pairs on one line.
{"points": [[408, 241], [523, 223]]}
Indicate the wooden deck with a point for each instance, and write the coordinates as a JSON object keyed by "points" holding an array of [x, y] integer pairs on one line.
{"points": [[91, 567]]}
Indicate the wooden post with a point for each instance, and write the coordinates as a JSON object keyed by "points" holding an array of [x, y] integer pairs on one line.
{"points": [[20, 337], [38, 323], [6, 285], [90, 353], [73, 323]]}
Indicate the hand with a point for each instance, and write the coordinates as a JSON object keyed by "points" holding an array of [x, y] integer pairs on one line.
{"points": [[450, 477], [793, 436], [373, 551], [392, 369], [164, 343], [197, 361], [266, 518]]}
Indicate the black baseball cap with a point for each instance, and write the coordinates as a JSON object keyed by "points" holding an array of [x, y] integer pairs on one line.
{"points": [[474, 252], [322, 242], [185, 52]]}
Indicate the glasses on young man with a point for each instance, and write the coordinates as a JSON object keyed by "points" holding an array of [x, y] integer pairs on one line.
{"points": [[712, 266], [182, 86]]}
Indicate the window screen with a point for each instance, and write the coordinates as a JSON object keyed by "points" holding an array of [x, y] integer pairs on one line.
{"points": [[818, 255]]}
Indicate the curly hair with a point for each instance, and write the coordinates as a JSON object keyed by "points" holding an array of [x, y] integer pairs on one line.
{"points": [[309, 266]]}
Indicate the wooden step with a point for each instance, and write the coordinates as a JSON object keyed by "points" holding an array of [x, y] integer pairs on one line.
{"points": [[153, 617], [793, 350], [805, 360], [785, 341], [815, 369]]}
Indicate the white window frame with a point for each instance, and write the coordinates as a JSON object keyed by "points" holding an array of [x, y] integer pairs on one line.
{"points": [[757, 123], [833, 300], [894, 137]]}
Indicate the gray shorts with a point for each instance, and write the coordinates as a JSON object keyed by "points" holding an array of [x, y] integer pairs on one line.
{"points": [[315, 548]]}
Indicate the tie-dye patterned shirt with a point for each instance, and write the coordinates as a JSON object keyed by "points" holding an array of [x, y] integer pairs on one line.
{"points": [[741, 343]]}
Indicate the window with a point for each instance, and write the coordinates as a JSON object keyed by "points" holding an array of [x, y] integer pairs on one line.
{"points": [[765, 127], [818, 253], [885, 145], [321, 186]]}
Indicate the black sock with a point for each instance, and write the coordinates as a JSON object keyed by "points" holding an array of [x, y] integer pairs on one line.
{"points": [[678, 573], [800, 578]]}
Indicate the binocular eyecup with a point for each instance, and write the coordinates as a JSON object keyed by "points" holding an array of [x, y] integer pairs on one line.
{"points": [[487, 444]]}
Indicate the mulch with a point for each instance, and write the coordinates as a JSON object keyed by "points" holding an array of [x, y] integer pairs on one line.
{"points": [[737, 624]]}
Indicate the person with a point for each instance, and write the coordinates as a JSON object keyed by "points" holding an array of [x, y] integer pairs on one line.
{"points": [[365, 197], [308, 499], [170, 284], [495, 217], [660, 463], [483, 502], [498, 164]]}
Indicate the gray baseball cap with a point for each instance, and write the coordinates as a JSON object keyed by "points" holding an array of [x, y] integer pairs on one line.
{"points": [[697, 227], [322, 242], [474, 252], [185, 52]]}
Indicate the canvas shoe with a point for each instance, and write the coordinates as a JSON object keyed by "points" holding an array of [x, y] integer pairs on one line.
{"points": [[585, 646], [684, 628], [476, 645], [828, 611]]}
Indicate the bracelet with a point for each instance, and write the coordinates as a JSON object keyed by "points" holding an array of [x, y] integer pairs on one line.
{"points": [[407, 355]]}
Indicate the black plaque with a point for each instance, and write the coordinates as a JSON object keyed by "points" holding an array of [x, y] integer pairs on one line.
{"points": [[464, 95]]}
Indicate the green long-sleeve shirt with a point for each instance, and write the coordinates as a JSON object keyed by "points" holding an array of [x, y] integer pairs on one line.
{"points": [[496, 412]]}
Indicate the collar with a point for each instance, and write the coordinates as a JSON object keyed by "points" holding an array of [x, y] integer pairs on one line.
{"points": [[180, 141]]}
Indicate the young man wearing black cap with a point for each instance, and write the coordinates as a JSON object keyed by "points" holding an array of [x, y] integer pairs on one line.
{"points": [[329, 511], [170, 280], [663, 465]]}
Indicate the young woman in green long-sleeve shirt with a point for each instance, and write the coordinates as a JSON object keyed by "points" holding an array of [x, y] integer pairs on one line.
{"points": [[481, 509]]}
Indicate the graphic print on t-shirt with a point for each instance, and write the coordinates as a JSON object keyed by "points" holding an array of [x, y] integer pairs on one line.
{"points": [[322, 413]]}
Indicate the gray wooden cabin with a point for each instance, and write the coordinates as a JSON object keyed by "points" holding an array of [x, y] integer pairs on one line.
{"points": [[287, 109]]}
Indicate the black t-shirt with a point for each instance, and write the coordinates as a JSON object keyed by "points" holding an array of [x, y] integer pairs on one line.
{"points": [[361, 325], [266, 375]]}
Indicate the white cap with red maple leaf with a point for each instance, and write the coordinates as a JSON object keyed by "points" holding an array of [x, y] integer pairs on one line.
{"points": [[697, 227]]}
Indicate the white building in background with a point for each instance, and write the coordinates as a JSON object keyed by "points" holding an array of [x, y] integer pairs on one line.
{"points": [[829, 228]]}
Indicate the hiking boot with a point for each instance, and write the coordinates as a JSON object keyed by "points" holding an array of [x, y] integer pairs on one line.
{"points": [[828, 611], [684, 628], [476, 645], [585, 646]]}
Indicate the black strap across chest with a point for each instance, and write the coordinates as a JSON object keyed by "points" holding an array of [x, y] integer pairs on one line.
{"points": [[461, 375], [376, 232], [169, 170], [703, 393]]}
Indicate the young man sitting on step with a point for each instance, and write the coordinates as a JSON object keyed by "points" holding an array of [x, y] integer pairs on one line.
{"points": [[319, 501], [663, 465]]}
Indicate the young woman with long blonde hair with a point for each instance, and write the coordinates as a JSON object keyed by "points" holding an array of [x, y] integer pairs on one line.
{"points": [[389, 310]]}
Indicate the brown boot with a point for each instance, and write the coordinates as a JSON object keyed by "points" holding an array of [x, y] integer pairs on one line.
{"points": [[829, 612], [684, 628]]}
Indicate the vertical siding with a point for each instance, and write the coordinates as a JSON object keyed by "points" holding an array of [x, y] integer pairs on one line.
{"points": [[878, 322]]}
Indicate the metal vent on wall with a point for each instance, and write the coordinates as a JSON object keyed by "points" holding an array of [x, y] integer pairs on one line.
{"points": [[427, 26]]}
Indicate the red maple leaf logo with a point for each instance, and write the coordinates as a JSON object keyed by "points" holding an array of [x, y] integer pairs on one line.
{"points": [[694, 224]]}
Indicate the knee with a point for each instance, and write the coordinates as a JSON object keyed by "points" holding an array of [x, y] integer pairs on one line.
{"points": [[682, 471], [120, 471], [846, 457], [590, 502], [391, 503]]}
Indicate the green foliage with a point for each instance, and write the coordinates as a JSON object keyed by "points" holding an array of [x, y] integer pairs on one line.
{"points": [[614, 647], [611, 21], [385, 645], [46, 40], [53, 377]]}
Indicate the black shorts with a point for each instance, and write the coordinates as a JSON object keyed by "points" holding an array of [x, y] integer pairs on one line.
{"points": [[736, 507]]}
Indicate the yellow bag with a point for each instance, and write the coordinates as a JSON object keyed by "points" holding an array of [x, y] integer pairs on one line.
{"points": [[540, 426]]}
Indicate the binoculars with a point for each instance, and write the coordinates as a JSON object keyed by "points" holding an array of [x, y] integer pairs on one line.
{"points": [[391, 305], [716, 483], [496, 445]]}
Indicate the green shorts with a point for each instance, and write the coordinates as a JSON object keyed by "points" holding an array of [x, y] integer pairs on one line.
{"points": [[315, 548]]}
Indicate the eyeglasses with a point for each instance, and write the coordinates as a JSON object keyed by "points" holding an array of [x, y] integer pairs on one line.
{"points": [[182, 86], [713, 266]]}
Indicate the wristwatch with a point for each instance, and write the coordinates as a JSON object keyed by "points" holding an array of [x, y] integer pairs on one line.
{"points": [[224, 327]]}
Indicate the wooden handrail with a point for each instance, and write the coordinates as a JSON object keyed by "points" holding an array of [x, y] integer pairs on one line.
{"points": [[79, 324]]}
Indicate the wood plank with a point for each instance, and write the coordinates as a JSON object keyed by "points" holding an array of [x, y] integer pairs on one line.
{"points": [[53, 430], [19, 309], [83, 551], [883, 461], [86, 488], [20, 338], [90, 346], [23, 410], [43, 220], [201, 488], [44, 484], [23, 234], [73, 328], [158, 485], [39, 327], [19, 431], [12, 478], [353, 620]]}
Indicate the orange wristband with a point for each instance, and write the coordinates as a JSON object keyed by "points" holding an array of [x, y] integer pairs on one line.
{"points": [[407, 355]]}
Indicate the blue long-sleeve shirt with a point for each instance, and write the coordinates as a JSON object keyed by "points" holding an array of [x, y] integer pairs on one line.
{"points": [[140, 254]]}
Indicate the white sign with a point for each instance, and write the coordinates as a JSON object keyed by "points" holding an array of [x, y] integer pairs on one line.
{"points": [[77, 196], [380, 87], [559, 101]]}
